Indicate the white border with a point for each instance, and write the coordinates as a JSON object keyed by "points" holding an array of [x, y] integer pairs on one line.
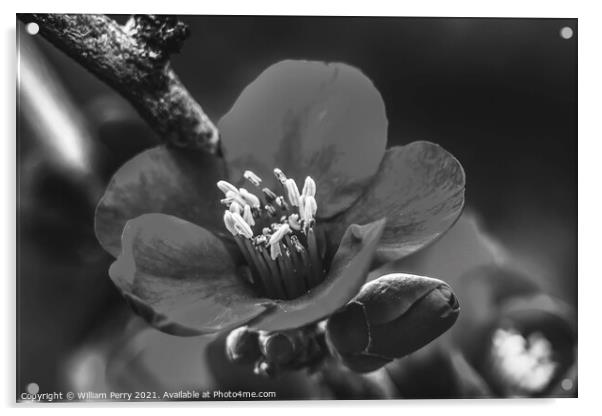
{"points": [[590, 203], [460, 8]]}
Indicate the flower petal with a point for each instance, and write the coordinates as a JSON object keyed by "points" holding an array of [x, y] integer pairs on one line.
{"points": [[161, 180], [313, 119], [180, 277], [419, 188], [348, 272]]}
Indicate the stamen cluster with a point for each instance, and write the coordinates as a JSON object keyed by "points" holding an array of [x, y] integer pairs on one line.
{"points": [[276, 234]]}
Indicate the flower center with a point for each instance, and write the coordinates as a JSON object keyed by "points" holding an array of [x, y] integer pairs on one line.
{"points": [[524, 364], [276, 234]]}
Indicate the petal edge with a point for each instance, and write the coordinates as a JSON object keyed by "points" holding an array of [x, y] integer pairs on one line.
{"points": [[181, 278], [160, 180], [346, 276], [419, 188], [309, 118]]}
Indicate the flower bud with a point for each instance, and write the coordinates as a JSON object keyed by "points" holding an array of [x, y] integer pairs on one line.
{"points": [[391, 317], [278, 347], [242, 345]]}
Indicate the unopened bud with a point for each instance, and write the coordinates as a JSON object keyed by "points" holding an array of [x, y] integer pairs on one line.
{"points": [[391, 317], [242, 345], [278, 347]]}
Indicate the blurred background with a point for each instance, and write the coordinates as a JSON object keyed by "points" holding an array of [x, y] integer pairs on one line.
{"points": [[499, 94]]}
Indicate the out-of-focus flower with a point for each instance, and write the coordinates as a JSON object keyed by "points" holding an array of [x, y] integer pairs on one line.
{"points": [[511, 340], [278, 262], [527, 345]]}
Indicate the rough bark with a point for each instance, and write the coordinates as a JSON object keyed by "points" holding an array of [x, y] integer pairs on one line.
{"points": [[134, 60]]}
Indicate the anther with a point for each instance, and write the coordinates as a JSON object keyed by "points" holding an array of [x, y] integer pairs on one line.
{"points": [[229, 222], [235, 196], [311, 201], [293, 221], [236, 207], [292, 192], [226, 186], [249, 198], [270, 196], [279, 234], [251, 177], [241, 226], [248, 216], [279, 175], [281, 203], [309, 188], [275, 251], [308, 208], [270, 210]]}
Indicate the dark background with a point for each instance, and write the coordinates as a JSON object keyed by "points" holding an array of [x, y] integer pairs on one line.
{"points": [[499, 94]]}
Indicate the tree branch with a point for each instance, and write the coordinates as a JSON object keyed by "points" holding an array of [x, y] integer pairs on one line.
{"points": [[134, 60]]}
